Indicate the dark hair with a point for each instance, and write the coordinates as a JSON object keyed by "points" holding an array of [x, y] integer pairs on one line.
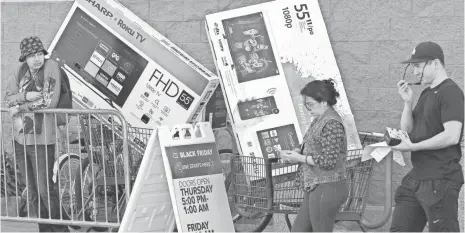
{"points": [[321, 90]]}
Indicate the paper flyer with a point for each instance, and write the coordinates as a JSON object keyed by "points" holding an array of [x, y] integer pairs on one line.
{"points": [[379, 151]]}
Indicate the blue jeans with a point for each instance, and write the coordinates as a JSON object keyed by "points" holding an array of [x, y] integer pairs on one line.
{"points": [[40, 187], [320, 207], [421, 201]]}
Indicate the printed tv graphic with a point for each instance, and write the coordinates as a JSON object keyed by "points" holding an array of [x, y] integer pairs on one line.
{"points": [[283, 45], [282, 137], [100, 58], [257, 108], [250, 47]]}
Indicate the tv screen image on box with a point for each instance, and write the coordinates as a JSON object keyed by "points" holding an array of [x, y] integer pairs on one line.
{"points": [[278, 138], [99, 57], [257, 108], [250, 47]]}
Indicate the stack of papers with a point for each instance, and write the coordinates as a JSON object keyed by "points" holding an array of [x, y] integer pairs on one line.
{"points": [[379, 150]]}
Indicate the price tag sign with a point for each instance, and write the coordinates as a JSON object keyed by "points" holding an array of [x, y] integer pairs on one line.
{"points": [[195, 178]]}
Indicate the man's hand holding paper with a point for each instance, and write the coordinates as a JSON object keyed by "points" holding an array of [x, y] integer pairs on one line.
{"points": [[380, 150]]}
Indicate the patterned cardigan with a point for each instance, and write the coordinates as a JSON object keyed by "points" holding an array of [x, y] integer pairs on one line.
{"points": [[332, 141]]}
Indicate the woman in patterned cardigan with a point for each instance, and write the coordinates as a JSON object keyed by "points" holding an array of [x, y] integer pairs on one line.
{"points": [[322, 158]]}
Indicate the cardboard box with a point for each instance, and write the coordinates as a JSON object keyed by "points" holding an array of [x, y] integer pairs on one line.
{"points": [[268, 52], [117, 61], [394, 137]]}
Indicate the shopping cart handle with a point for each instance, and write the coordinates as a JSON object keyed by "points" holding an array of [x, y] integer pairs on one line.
{"points": [[274, 160], [388, 198]]}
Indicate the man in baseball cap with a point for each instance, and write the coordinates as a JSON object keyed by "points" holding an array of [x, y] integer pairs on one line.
{"points": [[430, 191], [426, 51]]}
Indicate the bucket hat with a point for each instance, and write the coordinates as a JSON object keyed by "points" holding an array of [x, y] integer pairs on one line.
{"points": [[31, 45]]}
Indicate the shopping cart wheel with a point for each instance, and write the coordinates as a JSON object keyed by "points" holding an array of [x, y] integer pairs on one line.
{"points": [[244, 220], [66, 177]]}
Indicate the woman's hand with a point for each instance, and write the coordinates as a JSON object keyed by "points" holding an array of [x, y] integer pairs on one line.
{"points": [[292, 156], [33, 96]]}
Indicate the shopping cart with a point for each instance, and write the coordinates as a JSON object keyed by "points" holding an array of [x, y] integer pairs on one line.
{"points": [[262, 187], [99, 186]]}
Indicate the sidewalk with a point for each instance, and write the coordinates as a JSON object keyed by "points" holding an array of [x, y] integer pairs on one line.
{"points": [[18, 226], [371, 213], [10, 226]]}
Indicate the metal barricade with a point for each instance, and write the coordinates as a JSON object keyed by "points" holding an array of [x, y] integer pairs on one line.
{"points": [[83, 177]]}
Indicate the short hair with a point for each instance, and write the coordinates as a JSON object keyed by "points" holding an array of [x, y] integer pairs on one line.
{"points": [[442, 62]]}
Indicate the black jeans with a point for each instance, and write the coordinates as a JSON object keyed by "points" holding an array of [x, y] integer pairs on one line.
{"points": [[419, 201], [320, 206], [40, 187]]}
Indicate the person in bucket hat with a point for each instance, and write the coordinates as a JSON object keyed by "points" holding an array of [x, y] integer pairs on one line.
{"points": [[36, 85], [430, 191], [31, 45]]}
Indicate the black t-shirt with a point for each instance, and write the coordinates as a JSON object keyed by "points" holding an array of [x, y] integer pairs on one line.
{"points": [[436, 106]]}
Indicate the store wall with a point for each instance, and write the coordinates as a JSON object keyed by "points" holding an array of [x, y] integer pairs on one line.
{"points": [[369, 38]]}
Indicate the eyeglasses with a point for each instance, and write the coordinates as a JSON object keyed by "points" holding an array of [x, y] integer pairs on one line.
{"points": [[421, 78], [309, 105]]}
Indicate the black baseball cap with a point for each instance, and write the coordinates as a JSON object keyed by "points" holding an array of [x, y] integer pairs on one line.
{"points": [[426, 51]]}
